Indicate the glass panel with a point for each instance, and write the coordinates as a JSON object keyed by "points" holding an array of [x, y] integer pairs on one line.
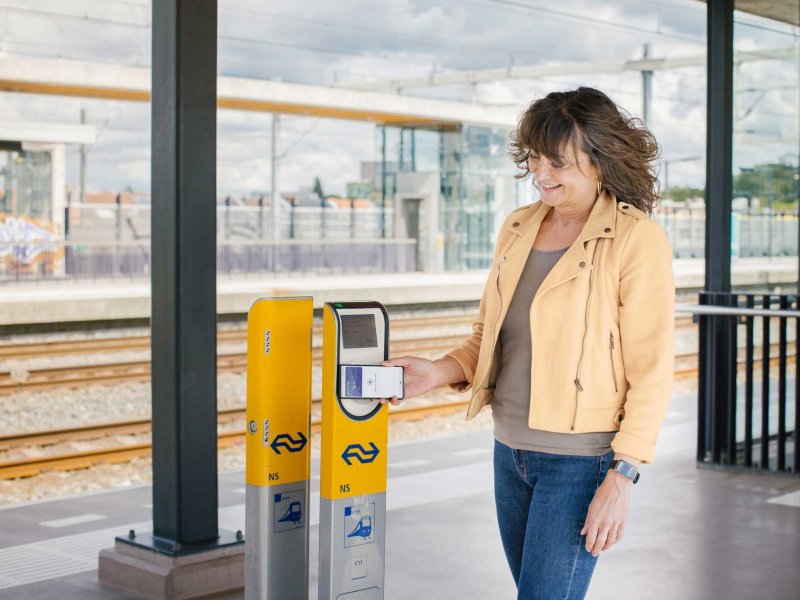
{"points": [[766, 101], [25, 179]]}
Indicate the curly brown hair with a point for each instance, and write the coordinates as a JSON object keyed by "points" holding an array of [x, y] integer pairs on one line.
{"points": [[619, 146]]}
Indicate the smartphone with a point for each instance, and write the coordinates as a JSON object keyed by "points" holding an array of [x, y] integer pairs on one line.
{"points": [[371, 381]]}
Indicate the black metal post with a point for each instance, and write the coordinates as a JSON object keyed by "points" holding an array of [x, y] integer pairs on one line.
{"points": [[796, 434], [719, 142], [748, 390], [261, 218], [183, 321], [118, 220], [782, 340], [717, 398], [766, 304]]}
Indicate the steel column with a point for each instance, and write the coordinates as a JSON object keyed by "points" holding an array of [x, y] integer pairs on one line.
{"points": [[718, 339], [719, 142], [183, 322]]}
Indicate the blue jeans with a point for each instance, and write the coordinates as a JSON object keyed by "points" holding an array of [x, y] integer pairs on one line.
{"points": [[542, 500]]}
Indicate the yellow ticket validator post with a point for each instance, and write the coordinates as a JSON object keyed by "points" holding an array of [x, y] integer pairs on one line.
{"points": [[352, 529], [278, 448]]}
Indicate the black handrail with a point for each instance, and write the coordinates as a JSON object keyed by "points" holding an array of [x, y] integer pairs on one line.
{"points": [[726, 417]]}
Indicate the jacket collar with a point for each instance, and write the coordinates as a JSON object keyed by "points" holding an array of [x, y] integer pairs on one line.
{"points": [[602, 221]]}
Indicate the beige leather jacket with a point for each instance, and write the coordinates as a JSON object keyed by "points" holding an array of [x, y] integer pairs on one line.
{"points": [[602, 327]]}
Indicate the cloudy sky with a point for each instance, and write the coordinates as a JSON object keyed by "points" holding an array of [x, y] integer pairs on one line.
{"points": [[335, 43]]}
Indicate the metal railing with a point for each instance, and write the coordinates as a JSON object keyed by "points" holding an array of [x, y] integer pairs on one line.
{"points": [[69, 261], [748, 413], [106, 223], [753, 233]]}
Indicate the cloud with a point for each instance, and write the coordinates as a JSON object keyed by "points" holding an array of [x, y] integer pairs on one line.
{"points": [[353, 40]]}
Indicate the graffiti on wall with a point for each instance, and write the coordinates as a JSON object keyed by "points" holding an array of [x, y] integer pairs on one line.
{"points": [[28, 245]]}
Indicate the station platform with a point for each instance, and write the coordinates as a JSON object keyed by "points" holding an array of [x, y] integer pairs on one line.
{"points": [[693, 534], [76, 302]]}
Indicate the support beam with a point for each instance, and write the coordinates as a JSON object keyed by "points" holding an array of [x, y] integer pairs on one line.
{"points": [[717, 382], [185, 556], [275, 186], [183, 271], [647, 88], [719, 146]]}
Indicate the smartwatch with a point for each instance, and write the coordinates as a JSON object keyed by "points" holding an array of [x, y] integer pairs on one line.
{"points": [[626, 469]]}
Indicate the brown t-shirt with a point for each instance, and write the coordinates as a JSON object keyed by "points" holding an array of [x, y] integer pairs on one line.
{"points": [[512, 395]]}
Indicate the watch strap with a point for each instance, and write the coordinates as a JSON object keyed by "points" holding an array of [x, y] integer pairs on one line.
{"points": [[626, 469]]}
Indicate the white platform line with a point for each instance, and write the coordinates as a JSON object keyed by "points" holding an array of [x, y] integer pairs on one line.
{"points": [[790, 499], [408, 464], [76, 520], [472, 452], [78, 553]]}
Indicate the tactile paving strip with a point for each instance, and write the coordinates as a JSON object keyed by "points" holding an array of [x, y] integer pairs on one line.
{"points": [[57, 557]]}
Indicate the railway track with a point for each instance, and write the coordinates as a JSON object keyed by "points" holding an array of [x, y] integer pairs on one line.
{"points": [[29, 466], [132, 371], [49, 349], [142, 342], [137, 371], [686, 367]]}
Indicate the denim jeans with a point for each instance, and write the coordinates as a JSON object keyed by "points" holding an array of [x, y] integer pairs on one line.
{"points": [[542, 500]]}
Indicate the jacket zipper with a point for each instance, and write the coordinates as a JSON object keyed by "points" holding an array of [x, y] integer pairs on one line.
{"points": [[611, 354], [499, 314], [578, 386], [497, 334]]}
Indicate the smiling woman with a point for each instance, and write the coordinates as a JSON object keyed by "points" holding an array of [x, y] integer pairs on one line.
{"points": [[573, 343], [611, 142]]}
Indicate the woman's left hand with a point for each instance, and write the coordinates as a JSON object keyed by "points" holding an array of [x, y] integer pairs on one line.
{"points": [[608, 512]]}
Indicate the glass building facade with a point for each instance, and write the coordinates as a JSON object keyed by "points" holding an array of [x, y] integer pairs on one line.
{"points": [[25, 184], [476, 183]]}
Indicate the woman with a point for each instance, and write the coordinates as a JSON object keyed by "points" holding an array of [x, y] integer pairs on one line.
{"points": [[573, 343]]}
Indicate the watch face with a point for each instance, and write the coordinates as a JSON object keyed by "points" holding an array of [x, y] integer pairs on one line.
{"points": [[623, 468]]}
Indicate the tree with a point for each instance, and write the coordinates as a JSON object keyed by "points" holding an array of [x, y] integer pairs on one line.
{"points": [[681, 194], [318, 188], [775, 184]]}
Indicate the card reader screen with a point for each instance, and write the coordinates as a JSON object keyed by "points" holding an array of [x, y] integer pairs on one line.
{"points": [[358, 331]]}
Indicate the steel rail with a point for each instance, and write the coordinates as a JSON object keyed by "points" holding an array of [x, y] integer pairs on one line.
{"points": [[33, 465], [130, 371], [29, 466], [142, 342], [32, 350]]}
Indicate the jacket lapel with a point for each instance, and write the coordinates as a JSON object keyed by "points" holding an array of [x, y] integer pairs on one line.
{"points": [[515, 254], [577, 260]]}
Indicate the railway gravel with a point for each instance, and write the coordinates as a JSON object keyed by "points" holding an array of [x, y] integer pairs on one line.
{"points": [[64, 408], [138, 472]]}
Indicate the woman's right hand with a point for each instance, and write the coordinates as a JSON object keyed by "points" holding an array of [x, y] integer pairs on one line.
{"points": [[419, 376]]}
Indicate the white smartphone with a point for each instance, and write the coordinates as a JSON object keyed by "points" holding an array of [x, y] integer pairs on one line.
{"points": [[370, 381]]}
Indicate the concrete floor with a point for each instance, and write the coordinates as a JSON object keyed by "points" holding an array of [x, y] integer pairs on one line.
{"points": [[693, 534]]}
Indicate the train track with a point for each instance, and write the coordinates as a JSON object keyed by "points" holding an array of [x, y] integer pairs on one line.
{"points": [[142, 342], [18, 380], [686, 366], [50, 349], [137, 371], [29, 466], [132, 371]]}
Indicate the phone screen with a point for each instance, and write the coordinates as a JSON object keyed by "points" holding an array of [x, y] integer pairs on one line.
{"points": [[368, 381]]}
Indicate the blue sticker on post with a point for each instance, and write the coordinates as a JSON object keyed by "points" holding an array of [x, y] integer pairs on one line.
{"points": [[289, 510], [359, 525]]}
